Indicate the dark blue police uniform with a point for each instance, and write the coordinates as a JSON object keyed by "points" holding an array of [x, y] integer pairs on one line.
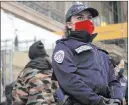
{"points": [[84, 71]]}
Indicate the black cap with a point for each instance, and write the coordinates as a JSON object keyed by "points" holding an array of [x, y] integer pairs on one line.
{"points": [[75, 9], [37, 50]]}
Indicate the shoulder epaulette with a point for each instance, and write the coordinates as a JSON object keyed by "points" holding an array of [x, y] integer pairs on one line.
{"points": [[61, 40], [104, 51]]}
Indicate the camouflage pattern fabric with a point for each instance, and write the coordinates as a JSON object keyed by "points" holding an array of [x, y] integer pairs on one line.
{"points": [[33, 88]]}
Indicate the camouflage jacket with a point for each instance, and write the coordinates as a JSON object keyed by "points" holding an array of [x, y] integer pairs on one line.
{"points": [[33, 88]]}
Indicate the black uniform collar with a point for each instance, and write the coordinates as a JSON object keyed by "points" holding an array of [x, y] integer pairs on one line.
{"points": [[82, 36]]}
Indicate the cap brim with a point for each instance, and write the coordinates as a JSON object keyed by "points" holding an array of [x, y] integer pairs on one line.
{"points": [[93, 11]]}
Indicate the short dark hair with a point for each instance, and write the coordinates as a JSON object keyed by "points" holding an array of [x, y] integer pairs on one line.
{"points": [[69, 19]]}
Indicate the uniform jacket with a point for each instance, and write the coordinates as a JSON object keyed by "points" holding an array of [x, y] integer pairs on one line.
{"points": [[123, 81], [84, 71]]}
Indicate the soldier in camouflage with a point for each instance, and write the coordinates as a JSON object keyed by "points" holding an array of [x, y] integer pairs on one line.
{"points": [[33, 85]]}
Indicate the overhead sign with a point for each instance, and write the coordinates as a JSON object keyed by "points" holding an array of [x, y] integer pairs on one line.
{"points": [[113, 31]]}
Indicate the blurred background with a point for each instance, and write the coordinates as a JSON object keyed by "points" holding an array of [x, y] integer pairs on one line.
{"points": [[24, 22]]}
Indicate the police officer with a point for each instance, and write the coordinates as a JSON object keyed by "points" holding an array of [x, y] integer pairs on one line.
{"points": [[84, 71], [119, 69]]}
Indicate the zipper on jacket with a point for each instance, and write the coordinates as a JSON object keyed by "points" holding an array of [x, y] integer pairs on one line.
{"points": [[102, 64], [97, 56]]}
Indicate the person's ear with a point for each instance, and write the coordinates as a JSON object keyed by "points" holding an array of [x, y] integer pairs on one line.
{"points": [[69, 25]]}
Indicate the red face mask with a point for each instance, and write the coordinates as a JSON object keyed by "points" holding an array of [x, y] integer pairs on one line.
{"points": [[85, 25]]}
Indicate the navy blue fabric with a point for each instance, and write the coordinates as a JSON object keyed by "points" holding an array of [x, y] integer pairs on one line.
{"points": [[87, 75], [123, 82]]}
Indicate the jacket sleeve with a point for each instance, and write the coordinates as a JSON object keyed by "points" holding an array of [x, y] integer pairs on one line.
{"points": [[69, 81], [114, 85]]}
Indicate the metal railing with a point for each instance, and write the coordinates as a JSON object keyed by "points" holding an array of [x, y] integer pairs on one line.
{"points": [[23, 45]]}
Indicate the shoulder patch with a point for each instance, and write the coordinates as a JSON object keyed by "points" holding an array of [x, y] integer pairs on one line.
{"points": [[59, 56], [83, 48]]}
